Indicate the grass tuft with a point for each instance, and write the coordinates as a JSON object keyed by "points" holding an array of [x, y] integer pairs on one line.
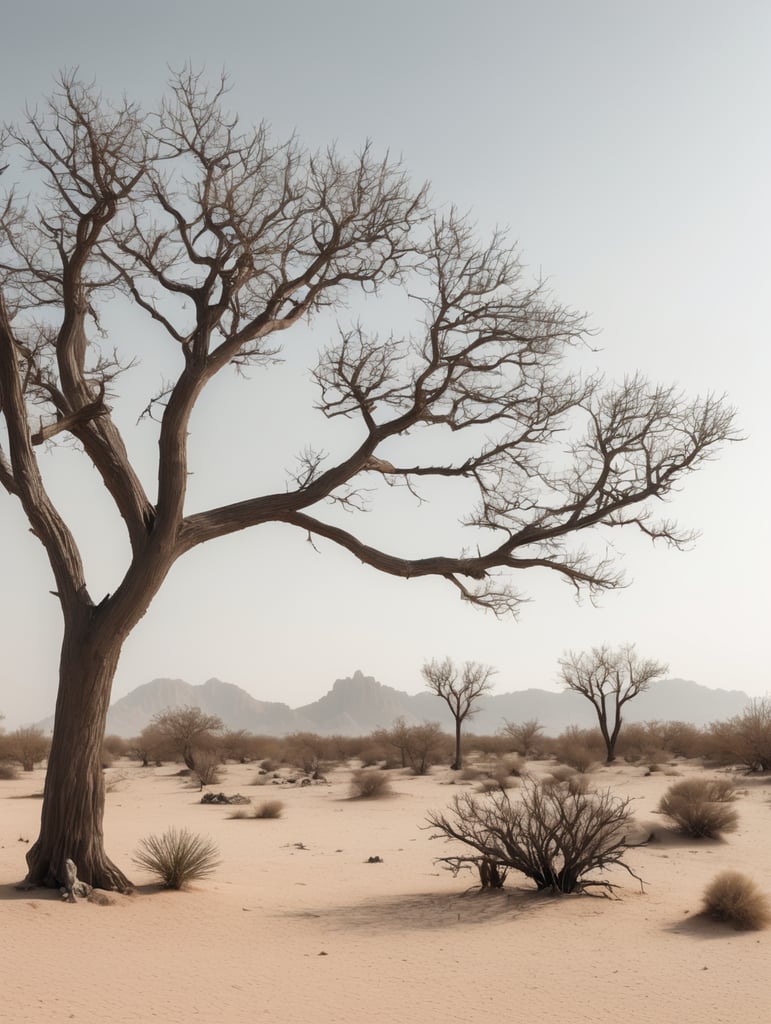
{"points": [[177, 857]]}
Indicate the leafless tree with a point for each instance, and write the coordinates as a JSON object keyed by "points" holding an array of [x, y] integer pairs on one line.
{"points": [[226, 240], [186, 728], [609, 679], [460, 689]]}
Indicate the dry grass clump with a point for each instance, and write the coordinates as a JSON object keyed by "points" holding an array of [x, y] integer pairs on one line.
{"points": [[734, 898], [269, 809], [369, 783], [8, 773], [700, 807], [177, 857]]}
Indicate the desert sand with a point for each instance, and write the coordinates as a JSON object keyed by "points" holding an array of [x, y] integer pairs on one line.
{"points": [[295, 925]]}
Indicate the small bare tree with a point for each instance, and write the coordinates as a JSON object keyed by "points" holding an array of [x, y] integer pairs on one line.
{"points": [[222, 241], [460, 689], [185, 729], [609, 679]]}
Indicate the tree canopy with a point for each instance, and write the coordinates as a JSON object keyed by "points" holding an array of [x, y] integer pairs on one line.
{"points": [[224, 240]]}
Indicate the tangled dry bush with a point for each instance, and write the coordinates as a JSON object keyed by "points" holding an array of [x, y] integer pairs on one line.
{"points": [[734, 898], [701, 807], [555, 834], [369, 783], [177, 857]]}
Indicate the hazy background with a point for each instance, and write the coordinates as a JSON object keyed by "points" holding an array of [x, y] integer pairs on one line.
{"points": [[627, 146]]}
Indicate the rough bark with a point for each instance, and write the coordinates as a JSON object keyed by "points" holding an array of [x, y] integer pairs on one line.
{"points": [[74, 795]]}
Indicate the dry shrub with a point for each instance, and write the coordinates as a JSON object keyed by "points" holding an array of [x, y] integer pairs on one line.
{"points": [[554, 836], [207, 767], [580, 749], [490, 785], [177, 857], [734, 898], [308, 752], [8, 772], [700, 807], [526, 738], [372, 755], [269, 809], [369, 783], [240, 813]]}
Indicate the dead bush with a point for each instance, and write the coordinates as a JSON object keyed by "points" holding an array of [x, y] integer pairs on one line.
{"points": [[8, 773], [700, 807], [369, 783], [580, 749], [553, 836], [308, 752], [744, 739], [526, 738], [206, 768], [269, 809], [374, 754], [734, 898]]}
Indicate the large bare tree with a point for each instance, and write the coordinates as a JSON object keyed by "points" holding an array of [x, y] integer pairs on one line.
{"points": [[609, 678], [225, 240]]}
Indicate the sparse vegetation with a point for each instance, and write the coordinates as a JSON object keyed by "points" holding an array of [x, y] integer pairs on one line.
{"points": [[177, 857], [26, 746], [744, 739], [579, 749], [426, 745], [526, 737], [701, 807], [308, 752], [734, 898], [553, 835], [369, 783]]}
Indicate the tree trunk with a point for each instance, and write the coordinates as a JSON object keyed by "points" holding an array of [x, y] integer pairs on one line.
{"points": [[74, 795], [458, 763]]}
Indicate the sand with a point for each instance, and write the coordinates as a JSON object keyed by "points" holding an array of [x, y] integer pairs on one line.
{"points": [[296, 926]]}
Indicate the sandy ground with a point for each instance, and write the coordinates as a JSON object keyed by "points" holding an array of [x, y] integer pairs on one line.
{"points": [[296, 926]]}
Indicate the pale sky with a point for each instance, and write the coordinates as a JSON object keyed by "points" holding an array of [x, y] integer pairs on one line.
{"points": [[627, 147]]}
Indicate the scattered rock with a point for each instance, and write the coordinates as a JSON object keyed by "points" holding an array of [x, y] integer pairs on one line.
{"points": [[374, 860], [221, 798]]}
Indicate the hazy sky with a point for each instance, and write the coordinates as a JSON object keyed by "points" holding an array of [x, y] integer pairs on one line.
{"points": [[628, 148]]}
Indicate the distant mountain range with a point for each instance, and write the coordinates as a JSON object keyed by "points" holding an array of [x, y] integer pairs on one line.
{"points": [[358, 704]]}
